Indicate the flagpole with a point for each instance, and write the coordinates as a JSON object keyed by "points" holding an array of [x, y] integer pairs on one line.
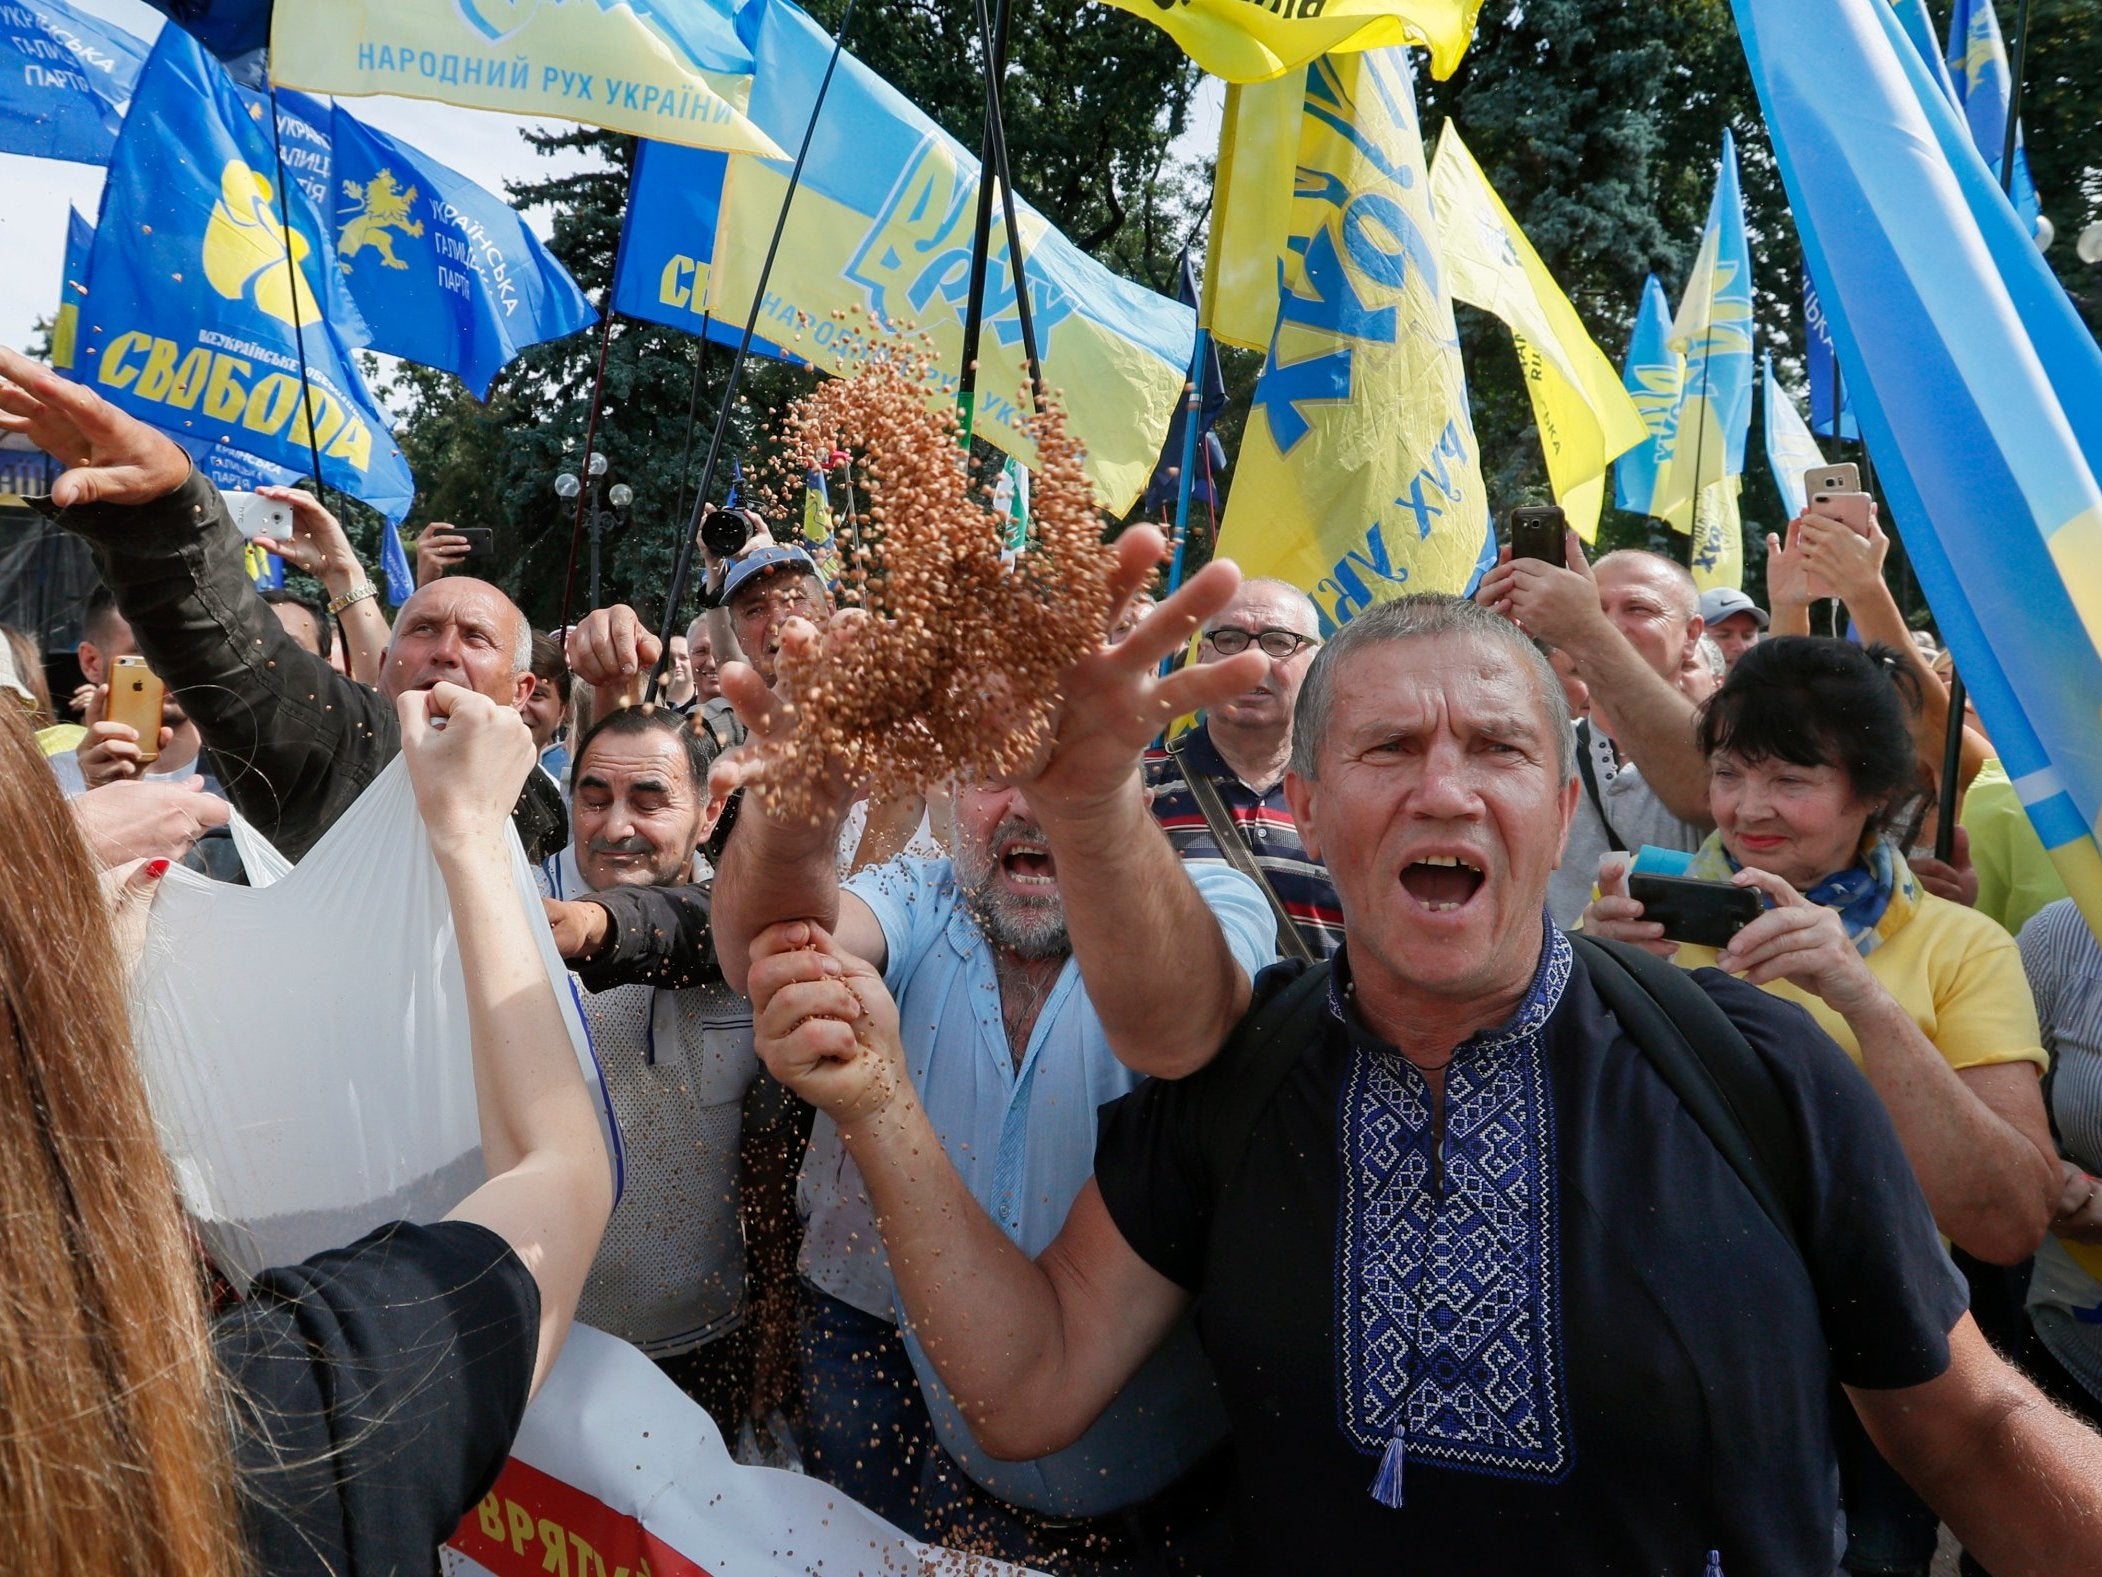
{"points": [[1192, 409], [299, 335], [682, 563], [598, 387], [981, 246], [1952, 740], [1018, 266], [693, 407]]}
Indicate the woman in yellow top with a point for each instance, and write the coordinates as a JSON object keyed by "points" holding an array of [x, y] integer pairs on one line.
{"points": [[1810, 756]]}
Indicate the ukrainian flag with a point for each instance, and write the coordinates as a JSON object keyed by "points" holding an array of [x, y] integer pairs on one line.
{"points": [[1978, 388]]}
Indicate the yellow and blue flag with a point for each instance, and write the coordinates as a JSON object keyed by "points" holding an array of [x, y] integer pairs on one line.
{"points": [[667, 244], [1712, 337], [446, 273], [1583, 415], [1245, 42], [1978, 389], [65, 79], [72, 290], [202, 308], [675, 70], [1652, 374], [1791, 449], [1977, 63], [1359, 478], [879, 238], [1252, 209]]}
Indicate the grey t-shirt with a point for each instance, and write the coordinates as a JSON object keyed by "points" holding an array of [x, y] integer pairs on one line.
{"points": [[1636, 814]]}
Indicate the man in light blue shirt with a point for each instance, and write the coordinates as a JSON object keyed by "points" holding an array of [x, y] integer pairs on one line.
{"points": [[1063, 951]]}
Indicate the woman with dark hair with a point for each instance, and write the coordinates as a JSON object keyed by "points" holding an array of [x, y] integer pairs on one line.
{"points": [[1810, 755], [352, 1409]]}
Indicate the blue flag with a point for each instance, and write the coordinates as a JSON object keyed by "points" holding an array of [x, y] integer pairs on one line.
{"points": [[667, 244], [1790, 448], [1824, 365], [72, 290], [446, 273], [1984, 88], [65, 79], [1979, 389], [201, 319], [1161, 491], [1652, 375]]}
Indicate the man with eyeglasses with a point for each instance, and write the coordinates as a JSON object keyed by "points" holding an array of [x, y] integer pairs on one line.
{"points": [[1222, 784]]}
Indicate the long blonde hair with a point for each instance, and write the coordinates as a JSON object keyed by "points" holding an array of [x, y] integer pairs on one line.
{"points": [[114, 1446]]}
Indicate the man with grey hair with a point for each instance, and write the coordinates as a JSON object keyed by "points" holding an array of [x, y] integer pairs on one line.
{"points": [[294, 742], [1219, 789], [1628, 625], [1476, 1284]]}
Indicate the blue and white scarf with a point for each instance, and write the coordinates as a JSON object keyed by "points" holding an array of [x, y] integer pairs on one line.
{"points": [[1448, 1303], [1875, 896]]}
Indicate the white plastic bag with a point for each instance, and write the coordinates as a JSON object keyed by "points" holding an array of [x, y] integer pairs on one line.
{"points": [[305, 1044]]}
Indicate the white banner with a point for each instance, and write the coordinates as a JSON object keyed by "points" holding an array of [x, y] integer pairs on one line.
{"points": [[616, 1473]]}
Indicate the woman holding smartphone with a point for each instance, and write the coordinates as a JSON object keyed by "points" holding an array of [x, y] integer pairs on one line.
{"points": [[1810, 750], [351, 1409], [1809, 746]]}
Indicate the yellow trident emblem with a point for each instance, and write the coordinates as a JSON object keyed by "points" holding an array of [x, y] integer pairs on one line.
{"points": [[244, 250]]}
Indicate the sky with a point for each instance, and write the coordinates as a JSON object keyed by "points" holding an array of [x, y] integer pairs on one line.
{"points": [[485, 147]]}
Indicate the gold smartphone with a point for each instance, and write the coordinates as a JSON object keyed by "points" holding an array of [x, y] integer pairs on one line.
{"points": [[136, 695]]}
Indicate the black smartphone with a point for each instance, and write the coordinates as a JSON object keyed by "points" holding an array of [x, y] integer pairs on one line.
{"points": [[1706, 914], [1537, 532], [481, 540]]}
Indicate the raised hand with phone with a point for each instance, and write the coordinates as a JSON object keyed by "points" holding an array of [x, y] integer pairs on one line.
{"points": [[307, 537]]}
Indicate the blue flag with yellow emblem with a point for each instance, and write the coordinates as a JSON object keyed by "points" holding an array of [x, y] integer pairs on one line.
{"points": [[667, 244], [1978, 68], [72, 290], [65, 79], [445, 272], [1652, 376], [1978, 389], [203, 315]]}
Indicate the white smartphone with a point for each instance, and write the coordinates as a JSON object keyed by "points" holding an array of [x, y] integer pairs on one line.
{"points": [[255, 516]]}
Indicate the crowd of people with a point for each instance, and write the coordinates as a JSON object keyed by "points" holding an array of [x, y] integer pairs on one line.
{"points": [[1270, 1135]]}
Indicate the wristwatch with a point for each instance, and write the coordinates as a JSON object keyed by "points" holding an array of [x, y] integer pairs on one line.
{"points": [[355, 594]]}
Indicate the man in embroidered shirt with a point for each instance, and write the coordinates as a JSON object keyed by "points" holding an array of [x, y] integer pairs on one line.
{"points": [[1062, 936], [1481, 1294], [1627, 626], [1242, 746]]}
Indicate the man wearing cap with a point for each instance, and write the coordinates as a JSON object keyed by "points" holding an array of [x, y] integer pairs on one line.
{"points": [[1734, 620]]}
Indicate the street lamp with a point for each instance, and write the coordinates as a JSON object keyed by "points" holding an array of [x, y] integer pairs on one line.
{"points": [[596, 519]]}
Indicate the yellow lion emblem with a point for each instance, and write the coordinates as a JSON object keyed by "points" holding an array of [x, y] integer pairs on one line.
{"points": [[244, 250], [382, 206]]}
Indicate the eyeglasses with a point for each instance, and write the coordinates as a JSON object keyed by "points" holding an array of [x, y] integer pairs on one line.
{"points": [[1230, 640]]}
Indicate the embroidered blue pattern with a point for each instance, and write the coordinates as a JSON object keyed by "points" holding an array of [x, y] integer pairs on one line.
{"points": [[1448, 1310]]}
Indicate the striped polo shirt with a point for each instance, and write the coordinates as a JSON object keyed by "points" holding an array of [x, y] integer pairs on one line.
{"points": [[1266, 826]]}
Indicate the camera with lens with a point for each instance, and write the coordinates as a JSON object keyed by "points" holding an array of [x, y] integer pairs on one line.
{"points": [[724, 531]]}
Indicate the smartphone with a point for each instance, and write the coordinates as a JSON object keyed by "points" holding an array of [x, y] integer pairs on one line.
{"points": [[1705, 914], [1835, 490], [1538, 532], [481, 540], [255, 516], [135, 696]]}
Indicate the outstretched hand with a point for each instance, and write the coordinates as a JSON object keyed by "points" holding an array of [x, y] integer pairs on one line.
{"points": [[109, 457], [1557, 604], [1114, 701]]}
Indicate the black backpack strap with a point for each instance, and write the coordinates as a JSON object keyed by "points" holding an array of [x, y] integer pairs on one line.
{"points": [[1589, 769], [1711, 1068], [1251, 1068]]}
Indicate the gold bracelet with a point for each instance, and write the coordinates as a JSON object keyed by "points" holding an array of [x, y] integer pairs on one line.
{"points": [[355, 594]]}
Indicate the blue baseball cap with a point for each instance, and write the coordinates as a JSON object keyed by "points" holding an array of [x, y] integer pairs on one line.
{"points": [[766, 561]]}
